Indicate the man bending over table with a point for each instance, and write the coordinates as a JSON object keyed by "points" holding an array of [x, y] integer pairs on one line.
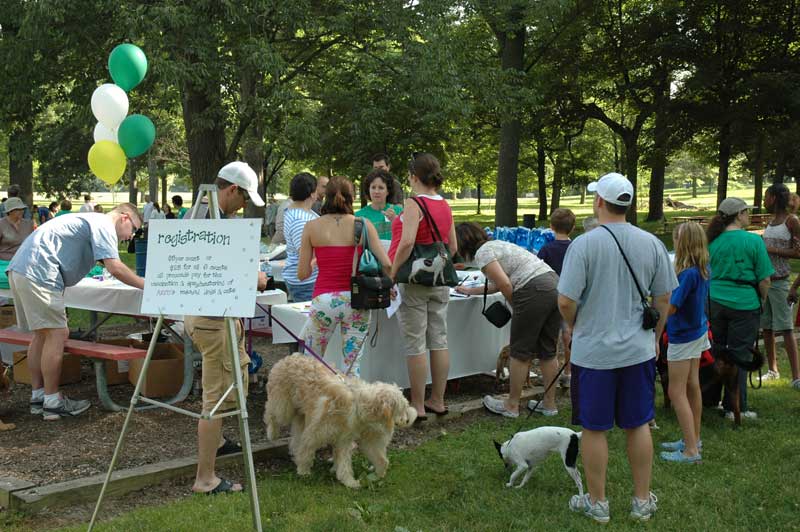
{"points": [[57, 255], [236, 183]]}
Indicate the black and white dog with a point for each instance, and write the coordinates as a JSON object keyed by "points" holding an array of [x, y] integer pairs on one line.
{"points": [[525, 450]]}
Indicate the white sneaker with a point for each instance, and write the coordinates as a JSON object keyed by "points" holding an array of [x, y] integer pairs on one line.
{"points": [[643, 510], [771, 376], [749, 414], [796, 384], [583, 504], [497, 406], [539, 408], [64, 407]]}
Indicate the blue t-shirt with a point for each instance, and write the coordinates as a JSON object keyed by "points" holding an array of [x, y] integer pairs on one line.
{"points": [[553, 254], [62, 251], [689, 323]]}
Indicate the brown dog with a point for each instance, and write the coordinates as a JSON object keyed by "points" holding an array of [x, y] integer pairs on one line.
{"points": [[726, 374], [503, 363], [5, 385]]}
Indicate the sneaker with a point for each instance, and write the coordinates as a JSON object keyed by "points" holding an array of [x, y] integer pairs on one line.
{"points": [[497, 406], [771, 376], [643, 510], [66, 407], [537, 407], [597, 511], [796, 384], [749, 414], [678, 445], [564, 380], [36, 407], [678, 456]]}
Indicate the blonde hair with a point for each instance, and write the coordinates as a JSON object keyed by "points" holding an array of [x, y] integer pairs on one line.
{"points": [[691, 248]]}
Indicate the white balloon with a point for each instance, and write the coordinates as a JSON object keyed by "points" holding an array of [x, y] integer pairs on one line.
{"points": [[109, 105], [101, 132]]}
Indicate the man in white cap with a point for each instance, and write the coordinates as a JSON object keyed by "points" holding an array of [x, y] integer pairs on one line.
{"points": [[613, 355], [236, 184]]}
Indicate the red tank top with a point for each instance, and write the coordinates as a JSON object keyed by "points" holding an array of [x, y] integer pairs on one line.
{"points": [[442, 217], [335, 266]]}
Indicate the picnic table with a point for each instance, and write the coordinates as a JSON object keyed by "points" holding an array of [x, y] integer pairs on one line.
{"points": [[113, 297]]}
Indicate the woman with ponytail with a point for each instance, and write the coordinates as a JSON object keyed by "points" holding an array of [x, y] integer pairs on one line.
{"points": [[740, 279], [331, 239], [423, 309]]}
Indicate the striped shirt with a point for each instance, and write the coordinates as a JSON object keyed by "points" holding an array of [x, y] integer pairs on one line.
{"points": [[294, 220]]}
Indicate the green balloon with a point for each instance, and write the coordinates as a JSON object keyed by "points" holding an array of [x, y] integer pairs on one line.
{"points": [[136, 134], [128, 65]]}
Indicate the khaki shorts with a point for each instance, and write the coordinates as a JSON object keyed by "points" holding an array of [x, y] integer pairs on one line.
{"points": [[37, 307], [777, 315], [423, 317], [211, 339]]}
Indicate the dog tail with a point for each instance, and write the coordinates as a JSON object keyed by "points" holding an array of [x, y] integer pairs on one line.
{"points": [[499, 446], [572, 450]]}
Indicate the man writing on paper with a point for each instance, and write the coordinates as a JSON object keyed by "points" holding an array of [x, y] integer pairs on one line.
{"points": [[57, 255], [236, 183]]}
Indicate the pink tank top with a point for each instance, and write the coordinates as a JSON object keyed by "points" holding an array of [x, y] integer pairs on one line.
{"points": [[335, 266], [442, 217]]}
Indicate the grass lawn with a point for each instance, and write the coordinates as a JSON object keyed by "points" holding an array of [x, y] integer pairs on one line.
{"points": [[455, 483]]}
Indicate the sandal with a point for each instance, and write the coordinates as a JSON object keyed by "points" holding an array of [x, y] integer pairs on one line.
{"points": [[437, 412], [229, 447], [224, 486]]}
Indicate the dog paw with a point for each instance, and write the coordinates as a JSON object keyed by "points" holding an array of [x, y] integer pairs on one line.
{"points": [[303, 471], [509, 485]]}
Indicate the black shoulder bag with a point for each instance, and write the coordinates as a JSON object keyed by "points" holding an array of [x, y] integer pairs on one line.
{"points": [[497, 313], [367, 291], [650, 315]]}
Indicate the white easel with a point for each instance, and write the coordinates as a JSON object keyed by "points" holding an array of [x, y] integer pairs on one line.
{"points": [[237, 387]]}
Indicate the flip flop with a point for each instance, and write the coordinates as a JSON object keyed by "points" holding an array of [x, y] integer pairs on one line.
{"points": [[229, 447], [438, 412], [420, 420], [224, 486]]}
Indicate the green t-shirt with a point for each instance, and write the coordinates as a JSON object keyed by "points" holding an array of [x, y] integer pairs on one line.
{"points": [[738, 256], [378, 219], [182, 212]]}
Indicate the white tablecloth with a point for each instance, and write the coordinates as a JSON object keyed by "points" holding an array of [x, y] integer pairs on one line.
{"points": [[474, 343], [116, 297]]}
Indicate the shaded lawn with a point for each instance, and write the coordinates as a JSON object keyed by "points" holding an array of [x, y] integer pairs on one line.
{"points": [[455, 483]]}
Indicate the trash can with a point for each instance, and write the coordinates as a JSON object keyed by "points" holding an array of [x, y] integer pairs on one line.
{"points": [[529, 221], [141, 257]]}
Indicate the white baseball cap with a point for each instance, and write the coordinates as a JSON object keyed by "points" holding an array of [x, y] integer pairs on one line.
{"points": [[244, 177], [614, 188]]}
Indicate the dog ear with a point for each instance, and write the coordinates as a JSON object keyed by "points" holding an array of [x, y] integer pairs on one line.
{"points": [[499, 447]]}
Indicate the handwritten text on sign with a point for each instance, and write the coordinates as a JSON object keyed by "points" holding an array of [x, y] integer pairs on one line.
{"points": [[202, 267]]}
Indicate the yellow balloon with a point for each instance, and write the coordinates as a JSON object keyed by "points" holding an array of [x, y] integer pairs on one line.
{"points": [[107, 161]]}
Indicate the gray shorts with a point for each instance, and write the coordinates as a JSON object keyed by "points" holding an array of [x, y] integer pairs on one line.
{"points": [[777, 315], [536, 321], [423, 317]]}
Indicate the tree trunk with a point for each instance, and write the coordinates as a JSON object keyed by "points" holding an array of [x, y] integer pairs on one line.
{"points": [[694, 186], [513, 51], [152, 175], [205, 134], [254, 156], [558, 173], [479, 198], [20, 161], [658, 160], [632, 165], [758, 172], [163, 178], [724, 161], [542, 178]]}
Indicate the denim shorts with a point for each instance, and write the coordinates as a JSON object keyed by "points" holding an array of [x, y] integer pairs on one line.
{"points": [[601, 397]]}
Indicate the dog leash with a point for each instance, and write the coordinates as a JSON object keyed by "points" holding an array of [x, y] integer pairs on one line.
{"points": [[302, 343]]}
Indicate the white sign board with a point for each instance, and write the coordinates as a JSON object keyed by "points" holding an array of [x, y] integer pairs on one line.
{"points": [[202, 267]]}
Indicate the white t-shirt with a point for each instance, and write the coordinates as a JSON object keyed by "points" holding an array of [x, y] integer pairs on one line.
{"points": [[519, 264]]}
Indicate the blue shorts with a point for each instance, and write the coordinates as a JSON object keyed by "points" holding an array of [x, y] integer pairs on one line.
{"points": [[602, 396]]}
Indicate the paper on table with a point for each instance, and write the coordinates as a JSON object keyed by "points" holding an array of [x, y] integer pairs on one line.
{"points": [[395, 304]]}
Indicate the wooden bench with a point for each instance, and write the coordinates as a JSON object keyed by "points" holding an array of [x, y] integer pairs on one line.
{"points": [[98, 352]]}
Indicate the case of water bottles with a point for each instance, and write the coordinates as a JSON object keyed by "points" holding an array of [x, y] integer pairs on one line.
{"points": [[531, 239]]}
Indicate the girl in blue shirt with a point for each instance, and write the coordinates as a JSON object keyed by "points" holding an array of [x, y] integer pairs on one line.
{"points": [[687, 329]]}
